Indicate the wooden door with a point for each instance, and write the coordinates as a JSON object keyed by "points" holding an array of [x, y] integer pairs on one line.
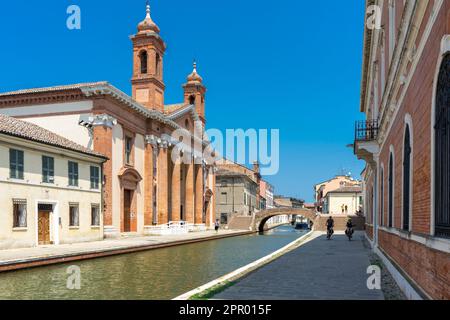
{"points": [[44, 227], [127, 211]]}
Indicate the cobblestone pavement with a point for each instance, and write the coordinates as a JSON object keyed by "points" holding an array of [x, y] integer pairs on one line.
{"points": [[50, 251], [320, 269]]}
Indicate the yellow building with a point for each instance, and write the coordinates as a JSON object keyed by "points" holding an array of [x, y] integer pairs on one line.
{"points": [[50, 188]]}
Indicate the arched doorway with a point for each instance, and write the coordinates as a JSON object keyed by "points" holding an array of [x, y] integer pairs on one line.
{"points": [[129, 181], [206, 216]]}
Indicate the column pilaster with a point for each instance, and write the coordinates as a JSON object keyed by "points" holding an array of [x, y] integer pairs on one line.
{"points": [[176, 191], [102, 132], [198, 194], [190, 192], [163, 185], [149, 181]]}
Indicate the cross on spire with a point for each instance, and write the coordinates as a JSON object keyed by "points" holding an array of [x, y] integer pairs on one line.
{"points": [[147, 9], [195, 66]]}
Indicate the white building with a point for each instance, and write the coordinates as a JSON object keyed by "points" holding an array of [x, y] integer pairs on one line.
{"points": [[50, 188], [344, 200]]}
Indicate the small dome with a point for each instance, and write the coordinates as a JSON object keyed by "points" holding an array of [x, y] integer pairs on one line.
{"points": [[147, 24], [194, 76]]}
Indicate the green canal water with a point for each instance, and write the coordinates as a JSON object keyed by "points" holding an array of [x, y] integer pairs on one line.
{"points": [[155, 274]]}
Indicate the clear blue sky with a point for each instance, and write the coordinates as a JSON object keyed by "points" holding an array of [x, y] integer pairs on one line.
{"points": [[287, 64]]}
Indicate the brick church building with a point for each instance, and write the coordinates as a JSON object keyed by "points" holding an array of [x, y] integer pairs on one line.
{"points": [[144, 189], [405, 142]]}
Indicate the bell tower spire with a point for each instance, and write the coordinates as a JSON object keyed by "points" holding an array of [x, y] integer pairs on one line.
{"points": [[194, 92], [148, 52]]}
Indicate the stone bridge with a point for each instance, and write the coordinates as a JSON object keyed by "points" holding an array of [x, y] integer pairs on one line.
{"points": [[262, 216], [319, 220]]}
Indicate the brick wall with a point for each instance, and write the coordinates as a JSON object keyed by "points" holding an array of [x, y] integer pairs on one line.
{"points": [[429, 268]]}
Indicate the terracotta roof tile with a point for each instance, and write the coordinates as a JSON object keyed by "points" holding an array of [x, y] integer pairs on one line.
{"points": [[27, 130], [54, 88]]}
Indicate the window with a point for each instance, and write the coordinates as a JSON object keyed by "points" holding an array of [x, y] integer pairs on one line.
{"points": [[157, 63], [224, 218], [95, 215], [74, 219], [406, 178], [192, 99], [143, 57], [73, 174], [128, 148], [442, 152], [95, 177], [19, 213], [48, 169], [15, 164], [391, 190], [245, 198], [223, 198]]}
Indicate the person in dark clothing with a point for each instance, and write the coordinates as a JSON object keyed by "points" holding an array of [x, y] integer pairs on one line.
{"points": [[330, 226], [349, 231], [217, 225]]}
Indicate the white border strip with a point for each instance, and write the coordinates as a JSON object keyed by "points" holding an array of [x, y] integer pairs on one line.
{"points": [[257, 263]]}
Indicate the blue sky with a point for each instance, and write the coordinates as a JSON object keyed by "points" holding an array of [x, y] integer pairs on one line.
{"points": [[289, 65]]}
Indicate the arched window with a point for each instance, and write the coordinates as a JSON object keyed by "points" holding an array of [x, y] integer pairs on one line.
{"points": [[391, 190], [407, 151], [192, 99], [382, 196], [157, 63], [442, 151], [143, 59]]}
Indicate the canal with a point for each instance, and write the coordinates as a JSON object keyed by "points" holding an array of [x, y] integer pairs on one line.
{"points": [[154, 274]]}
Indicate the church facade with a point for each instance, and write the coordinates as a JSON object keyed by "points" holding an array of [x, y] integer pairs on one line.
{"points": [[145, 186]]}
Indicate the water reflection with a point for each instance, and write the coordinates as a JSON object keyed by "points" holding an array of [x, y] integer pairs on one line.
{"points": [[156, 274]]}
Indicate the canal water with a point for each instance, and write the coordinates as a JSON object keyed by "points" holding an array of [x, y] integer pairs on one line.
{"points": [[155, 274]]}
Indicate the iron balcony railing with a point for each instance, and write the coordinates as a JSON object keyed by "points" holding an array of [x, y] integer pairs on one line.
{"points": [[366, 130]]}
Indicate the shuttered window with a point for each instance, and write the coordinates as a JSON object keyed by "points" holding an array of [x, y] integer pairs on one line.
{"points": [[95, 177], [16, 164], [48, 169], [73, 174]]}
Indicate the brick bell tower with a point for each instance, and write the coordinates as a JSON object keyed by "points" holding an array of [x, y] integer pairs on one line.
{"points": [[148, 52], [194, 92]]}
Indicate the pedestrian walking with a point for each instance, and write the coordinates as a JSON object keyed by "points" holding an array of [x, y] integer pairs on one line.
{"points": [[217, 225]]}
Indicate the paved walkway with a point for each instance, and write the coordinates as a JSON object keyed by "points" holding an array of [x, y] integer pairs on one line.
{"points": [[12, 257], [320, 269]]}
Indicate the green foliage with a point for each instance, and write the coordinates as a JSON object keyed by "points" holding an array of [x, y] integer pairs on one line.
{"points": [[208, 294]]}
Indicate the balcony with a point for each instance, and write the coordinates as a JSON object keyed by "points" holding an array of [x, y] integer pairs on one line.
{"points": [[366, 145], [366, 130]]}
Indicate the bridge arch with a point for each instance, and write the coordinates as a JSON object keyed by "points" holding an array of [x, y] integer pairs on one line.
{"points": [[262, 216]]}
